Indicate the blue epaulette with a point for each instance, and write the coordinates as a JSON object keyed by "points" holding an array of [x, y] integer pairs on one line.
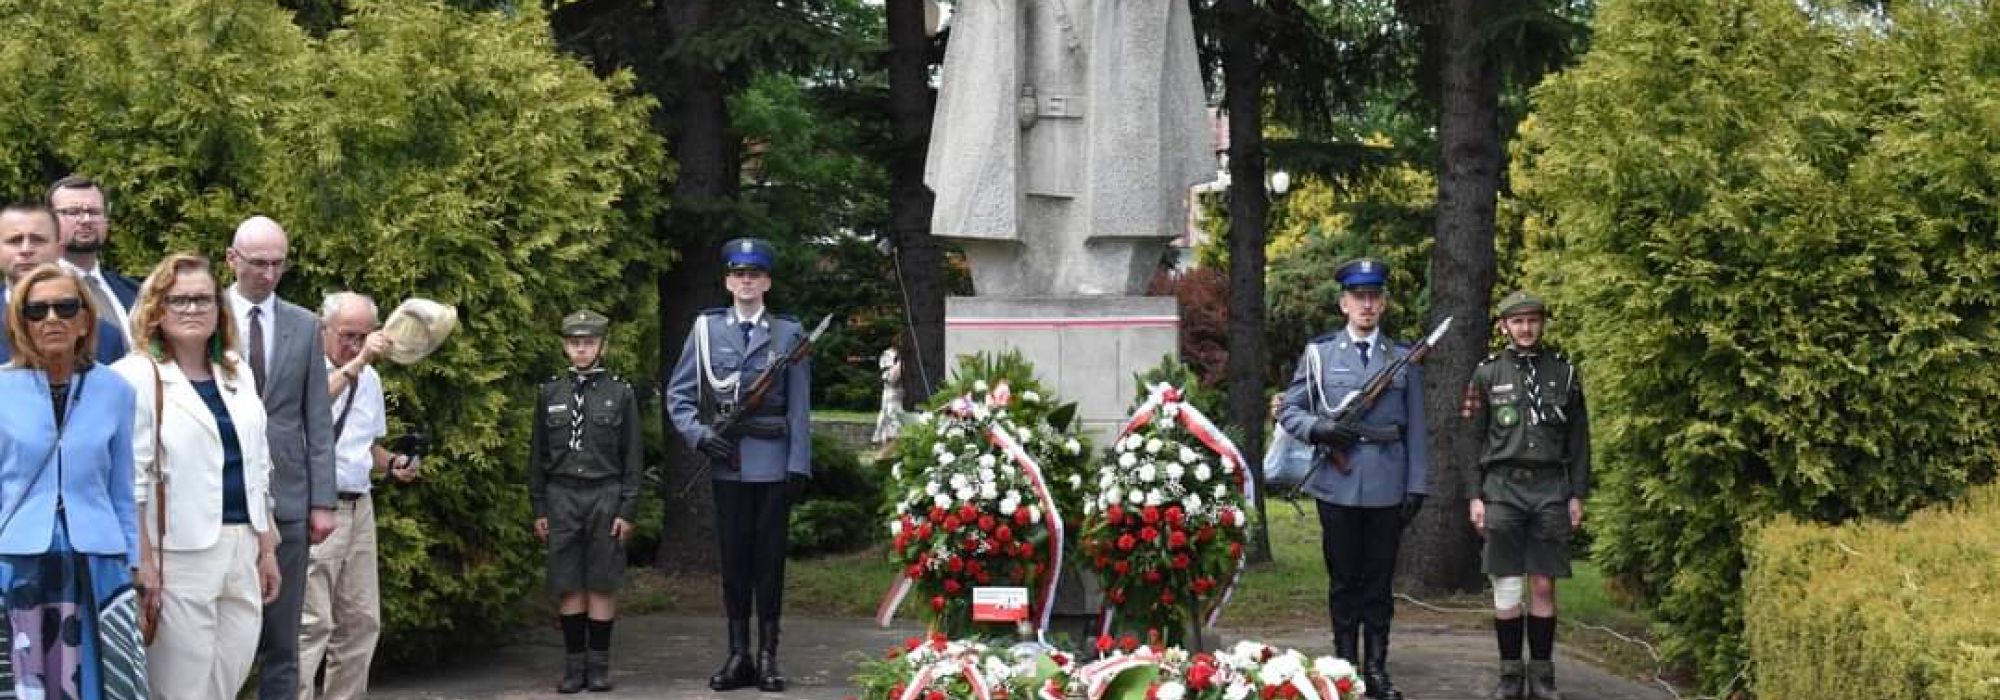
{"points": [[787, 317], [717, 311], [1323, 337]]}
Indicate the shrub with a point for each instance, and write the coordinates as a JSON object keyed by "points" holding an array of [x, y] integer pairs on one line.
{"points": [[1877, 610], [840, 503]]}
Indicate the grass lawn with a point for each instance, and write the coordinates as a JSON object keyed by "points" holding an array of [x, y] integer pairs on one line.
{"points": [[844, 416]]}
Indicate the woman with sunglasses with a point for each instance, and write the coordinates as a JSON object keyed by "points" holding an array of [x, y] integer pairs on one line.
{"points": [[68, 533], [212, 567]]}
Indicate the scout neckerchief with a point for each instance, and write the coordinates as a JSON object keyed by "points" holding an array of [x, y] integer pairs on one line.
{"points": [[579, 380], [1524, 358]]}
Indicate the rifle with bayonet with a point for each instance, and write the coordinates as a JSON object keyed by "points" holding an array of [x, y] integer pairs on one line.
{"points": [[727, 417], [1356, 404]]}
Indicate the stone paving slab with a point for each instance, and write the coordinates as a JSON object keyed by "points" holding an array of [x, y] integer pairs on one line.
{"points": [[662, 656]]}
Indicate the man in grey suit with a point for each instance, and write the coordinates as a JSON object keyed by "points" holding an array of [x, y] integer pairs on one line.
{"points": [[1373, 471], [280, 341]]}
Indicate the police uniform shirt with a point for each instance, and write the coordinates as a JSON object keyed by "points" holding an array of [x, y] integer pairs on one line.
{"points": [[692, 393], [1380, 472]]}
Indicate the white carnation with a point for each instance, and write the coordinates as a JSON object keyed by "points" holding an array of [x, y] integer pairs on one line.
{"points": [[1128, 460], [1034, 514], [1280, 669], [1191, 504], [1113, 495], [955, 433], [1201, 472], [1146, 473], [1133, 441], [895, 528], [1175, 472], [1330, 667], [1221, 492], [988, 491], [947, 458], [932, 488], [1007, 507], [1153, 446], [958, 481], [1188, 456], [1135, 497], [986, 463], [986, 476], [965, 494], [941, 500], [1154, 498], [1072, 446]]}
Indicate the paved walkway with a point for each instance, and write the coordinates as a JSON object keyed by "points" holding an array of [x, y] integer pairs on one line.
{"points": [[671, 657]]}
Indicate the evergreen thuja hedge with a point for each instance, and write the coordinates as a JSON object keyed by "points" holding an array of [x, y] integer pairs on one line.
{"points": [[1768, 229]]}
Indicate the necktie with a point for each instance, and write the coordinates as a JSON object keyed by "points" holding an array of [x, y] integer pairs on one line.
{"points": [[745, 326], [1362, 345], [101, 299], [257, 347]]}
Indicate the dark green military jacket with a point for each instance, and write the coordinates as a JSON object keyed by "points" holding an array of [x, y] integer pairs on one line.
{"points": [[609, 445], [1544, 425]]}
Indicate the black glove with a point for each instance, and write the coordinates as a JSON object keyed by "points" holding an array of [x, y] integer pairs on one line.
{"points": [[1413, 503], [795, 487], [716, 448], [1332, 433]]}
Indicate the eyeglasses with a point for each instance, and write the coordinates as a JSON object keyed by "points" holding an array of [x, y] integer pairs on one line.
{"points": [[64, 309], [191, 303], [272, 265], [351, 338], [80, 213]]}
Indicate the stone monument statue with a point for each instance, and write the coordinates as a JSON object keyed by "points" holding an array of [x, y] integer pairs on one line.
{"points": [[1066, 137]]}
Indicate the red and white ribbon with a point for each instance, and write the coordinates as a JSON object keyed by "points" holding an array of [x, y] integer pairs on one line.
{"points": [[885, 612], [1050, 515], [969, 668], [1098, 675]]}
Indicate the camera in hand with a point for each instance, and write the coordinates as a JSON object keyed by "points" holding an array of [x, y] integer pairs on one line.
{"points": [[414, 443]]}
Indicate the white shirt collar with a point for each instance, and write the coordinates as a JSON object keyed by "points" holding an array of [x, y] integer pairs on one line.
{"points": [[1371, 339], [757, 319], [242, 303]]}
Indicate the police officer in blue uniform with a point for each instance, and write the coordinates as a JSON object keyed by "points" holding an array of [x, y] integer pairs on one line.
{"points": [[1372, 472], [757, 466]]}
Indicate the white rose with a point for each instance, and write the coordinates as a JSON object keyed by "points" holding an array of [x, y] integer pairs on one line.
{"points": [[1012, 495], [1188, 456], [1030, 396], [988, 491], [1201, 472], [965, 494], [932, 489], [1174, 472], [1135, 497], [1133, 441], [1330, 667], [1280, 669], [941, 501], [986, 476], [1146, 473], [1154, 498], [958, 481], [1153, 446], [979, 386], [895, 528], [1171, 690], [1072, 446], [1191, 504], [986, 463], [1034, 514], [1105, 480], [946, 458], [1007, 507], [902, 507], [1128, 460], [1113, 495], [1221, 492]]}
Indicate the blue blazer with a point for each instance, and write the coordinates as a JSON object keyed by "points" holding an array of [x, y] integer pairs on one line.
{"points": [[91, 467], [125, 288], [111, 345], [1380, 472], [762, 459]]}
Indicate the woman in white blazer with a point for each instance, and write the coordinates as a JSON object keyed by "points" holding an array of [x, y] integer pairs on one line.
{"points": [[215, 566]]}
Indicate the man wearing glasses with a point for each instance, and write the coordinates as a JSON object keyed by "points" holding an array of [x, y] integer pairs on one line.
{"points": [[28, 239], [85, 223], [281, 343]]}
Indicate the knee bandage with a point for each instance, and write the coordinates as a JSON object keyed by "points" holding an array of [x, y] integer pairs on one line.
{"points": [[1507, 592]]}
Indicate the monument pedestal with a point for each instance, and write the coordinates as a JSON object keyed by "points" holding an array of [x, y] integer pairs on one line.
{"points": [[1086, 349]]}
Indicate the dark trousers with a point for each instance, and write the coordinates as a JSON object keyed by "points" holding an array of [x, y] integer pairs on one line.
{"points": [[752, 520], [1360, 548], [278, 647]]}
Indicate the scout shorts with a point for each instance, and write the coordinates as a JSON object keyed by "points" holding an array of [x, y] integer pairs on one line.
{"points": [[583, 556], [1527, 521]]}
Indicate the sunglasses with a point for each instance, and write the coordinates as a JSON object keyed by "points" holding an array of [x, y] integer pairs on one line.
{"points": [[64, 309]]}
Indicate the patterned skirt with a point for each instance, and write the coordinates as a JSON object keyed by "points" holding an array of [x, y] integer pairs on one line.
{"points": [[72, 623]]}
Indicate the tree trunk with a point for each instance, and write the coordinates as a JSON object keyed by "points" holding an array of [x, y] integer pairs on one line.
{"points": [[1441, 552], [919, 258], [1243, 83], [695, 117]]}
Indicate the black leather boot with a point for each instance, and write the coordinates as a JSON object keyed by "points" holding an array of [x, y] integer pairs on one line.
{"points": [[1513, 682], [770, 679], [1346, 642], [737, 671], [1375, 665], [597, 671], [1542, 681], [572, 680]]}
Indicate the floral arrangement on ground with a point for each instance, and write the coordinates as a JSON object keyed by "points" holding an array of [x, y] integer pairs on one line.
{"points": [[1165, 520], [936, 668], [977, 493]]}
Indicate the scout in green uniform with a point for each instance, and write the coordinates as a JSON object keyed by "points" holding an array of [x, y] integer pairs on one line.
{"points": [[583, 481], [1526, 403]]}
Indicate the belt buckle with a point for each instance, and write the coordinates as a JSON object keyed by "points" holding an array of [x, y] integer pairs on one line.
{"points": [[1521, 474]]}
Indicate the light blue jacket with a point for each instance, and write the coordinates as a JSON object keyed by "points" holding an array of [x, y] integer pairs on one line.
{"points": [[90, 466], [1380, 473], [763, 459]]}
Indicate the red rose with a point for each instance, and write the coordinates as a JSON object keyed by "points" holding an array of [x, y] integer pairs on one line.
{"points": [[951, 522], [974, 566], [1206, 535], [1114, 514], [1004, 534], [911, 644], [983, 578], [966, 513], [924, 531], [1269, 692], [1117, 596], [1175, 515], [986, 523], [936, 695], [1152, 576], [1149, 534], [1128, 643], [1122, 568], [1202, 585], [951, 586], [1021, 516], [1167, 597], [1235, 549], [914, 571], [1153, 691], [1199, 676], [1059, 658], [896, 691], [1126, 543], [1343, 684], [1177, 540], [1102, 561], [1027, 550], [1151, 514], [1181, 561], [957, 565], [1104, 643], [936, 514], [970, 545], [937, 603]]}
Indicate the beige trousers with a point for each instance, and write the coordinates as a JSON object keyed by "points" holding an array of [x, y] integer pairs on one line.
{"points": [[343, 611], [211, 613]]}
